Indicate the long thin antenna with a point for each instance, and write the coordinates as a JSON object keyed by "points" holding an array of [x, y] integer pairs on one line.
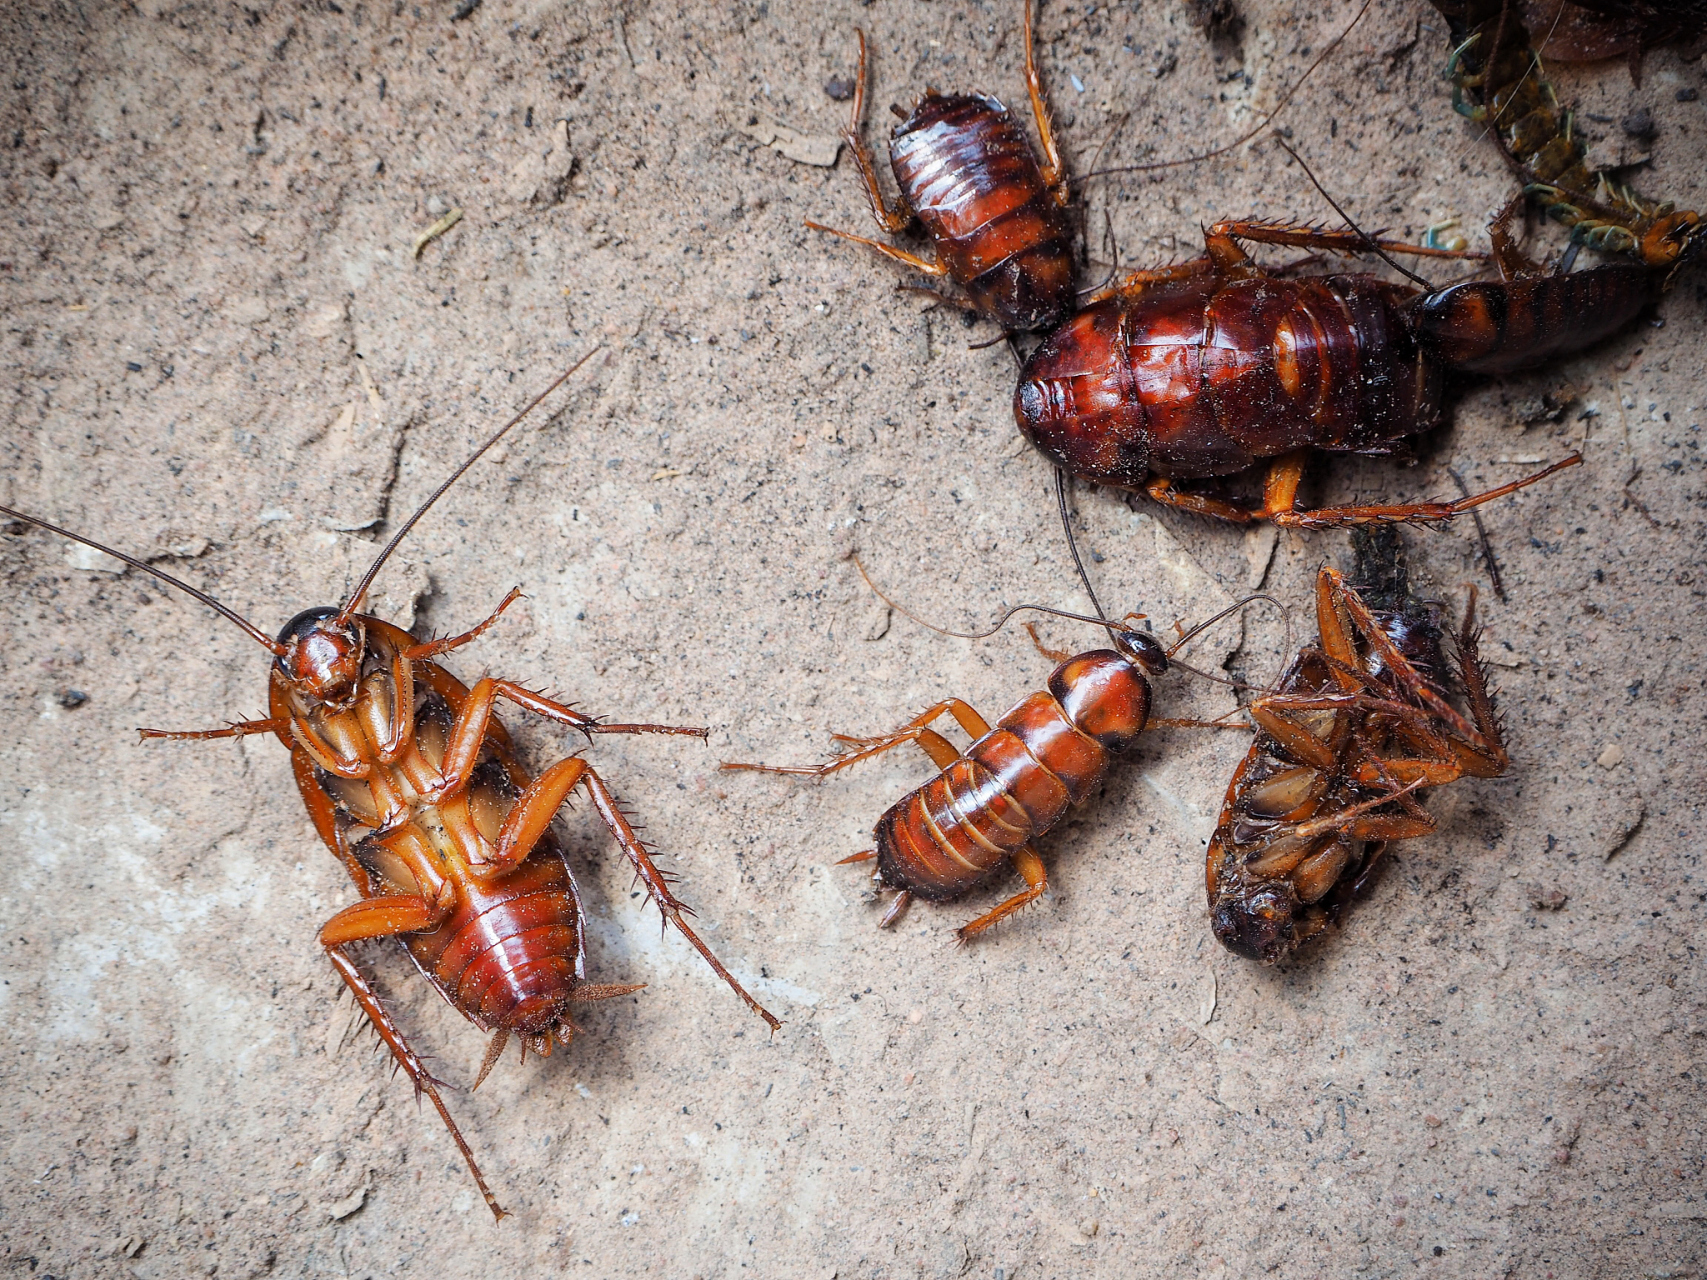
{"points": [[367, 580], [1369, 241], [1073, 546], [1001, 622], [254, 632], [1246, 137]]}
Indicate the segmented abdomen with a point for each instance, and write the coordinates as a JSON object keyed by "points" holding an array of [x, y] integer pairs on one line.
{"points": [[1208, 378], [508, 956], [1016, 781], [968, 172]]}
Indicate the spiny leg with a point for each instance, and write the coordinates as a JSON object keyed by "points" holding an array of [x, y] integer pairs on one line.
{"points": [[1419, 512], [473, 718], [897, 908], [1029, 865], [923, 265], [658, 887], [235, 729], [894, 221], [1054, 172], [405, 1057], [434, 648], [1334, 239]]}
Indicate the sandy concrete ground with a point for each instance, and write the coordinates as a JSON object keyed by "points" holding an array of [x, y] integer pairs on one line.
{"points": [[222, 355]]}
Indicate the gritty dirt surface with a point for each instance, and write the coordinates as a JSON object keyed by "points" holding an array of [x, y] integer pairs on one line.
{"points": [[222, 354]]}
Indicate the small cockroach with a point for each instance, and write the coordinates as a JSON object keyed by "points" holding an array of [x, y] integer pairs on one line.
{"points": [[999, 220], [1216, 366], [996, 217], [988, 806], [413, 784], [1359, 722]]}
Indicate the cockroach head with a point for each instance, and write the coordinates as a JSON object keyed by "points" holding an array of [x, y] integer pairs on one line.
{"points": [[1142, 648], [1259, 926], [322, 657]]}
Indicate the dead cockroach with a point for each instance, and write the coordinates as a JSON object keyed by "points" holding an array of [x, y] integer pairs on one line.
{"points": [[1359, 722], [989, 805], [1214, 367], [412, 782], [998, 219], [1498, 81]]}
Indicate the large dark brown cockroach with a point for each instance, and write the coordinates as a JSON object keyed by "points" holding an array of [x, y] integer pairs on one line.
{"points": [[1359, 722], [988, 806], [996, 218], [412, 783], [1498, 81], [1213, 367]]}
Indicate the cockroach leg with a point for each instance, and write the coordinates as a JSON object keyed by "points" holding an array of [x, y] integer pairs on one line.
{"points": [[1054, 172], [922, 265], [894, 221], [436, 648], [1029, 865], [236, 729], [385, 916], [1054, 655], [865, 855], [658, 886], [588, 992], [938, 748], [405, 1057]]}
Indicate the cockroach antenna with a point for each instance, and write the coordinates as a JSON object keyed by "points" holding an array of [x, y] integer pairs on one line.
{"points": [[373, 571], [254, 632]]}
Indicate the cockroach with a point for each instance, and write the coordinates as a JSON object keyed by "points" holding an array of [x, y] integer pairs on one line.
{"points": [[996, 217], [1212, 367], [1498, 81], [1359, 723], [987, 807], [414, 785]]}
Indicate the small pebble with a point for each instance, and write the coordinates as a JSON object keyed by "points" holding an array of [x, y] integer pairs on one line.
{"points": [[841, 88], [71, 699], [1639, 124], [1611, 757], [1547, 899], [1687, 94]]}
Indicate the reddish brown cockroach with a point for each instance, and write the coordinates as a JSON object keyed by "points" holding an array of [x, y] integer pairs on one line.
{"points": [[996, 218], [989, 805], [1358, 723], [1213, 367], [412, 783]]}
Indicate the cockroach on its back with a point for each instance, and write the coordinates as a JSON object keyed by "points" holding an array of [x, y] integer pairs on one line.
{"points": [[1217, 366], [1358, 723], [412, 783], [996, 217]]}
